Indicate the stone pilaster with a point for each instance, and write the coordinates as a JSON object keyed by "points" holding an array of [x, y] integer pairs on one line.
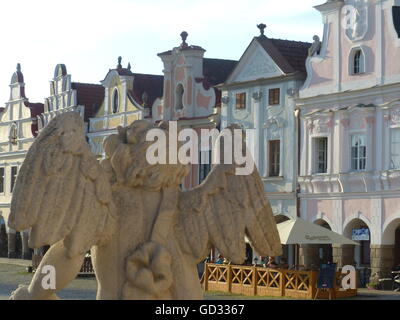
{"points": [[343, 255], [382, 260], [309, 256], [26, 252], [11, 245]]}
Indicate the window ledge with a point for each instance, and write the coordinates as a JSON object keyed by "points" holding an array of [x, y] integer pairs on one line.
{"points": [[273, 178]]}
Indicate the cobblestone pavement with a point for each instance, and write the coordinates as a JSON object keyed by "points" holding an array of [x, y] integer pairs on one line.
{"points": [[85, 288]]}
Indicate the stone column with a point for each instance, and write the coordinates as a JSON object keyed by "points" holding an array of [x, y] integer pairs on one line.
{"points": [[382, 260], [26, 252], [309, 255], [11, 245], [343, 255]]}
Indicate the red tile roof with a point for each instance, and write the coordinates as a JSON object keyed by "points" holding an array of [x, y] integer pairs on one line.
{"points": [[216, 71], [36, 109], [89, 95], [150, 84], [289, 55]]}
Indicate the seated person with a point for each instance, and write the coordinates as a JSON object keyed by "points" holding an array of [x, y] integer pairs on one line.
{"points": [[220, 259], [283, 263], [255, 262], [271, 263]]}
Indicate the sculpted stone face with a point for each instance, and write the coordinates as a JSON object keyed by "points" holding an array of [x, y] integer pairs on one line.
{"points": [[146, 235]]}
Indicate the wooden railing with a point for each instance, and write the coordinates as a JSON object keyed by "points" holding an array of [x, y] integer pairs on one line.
{"points": [[252, 281]]}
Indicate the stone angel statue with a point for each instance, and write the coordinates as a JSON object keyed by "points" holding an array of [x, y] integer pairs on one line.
{"points": [[145, 234]]}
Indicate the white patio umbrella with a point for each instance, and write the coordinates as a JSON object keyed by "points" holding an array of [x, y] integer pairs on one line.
{"points": [[299, 231]]}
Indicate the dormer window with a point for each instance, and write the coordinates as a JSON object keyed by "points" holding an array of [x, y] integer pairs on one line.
{"points": [[179, 97], [357, 62], [115, 101]]}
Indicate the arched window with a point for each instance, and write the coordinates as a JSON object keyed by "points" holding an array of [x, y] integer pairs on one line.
{"points": [[179, 97], [115, 101], [357, 62]]}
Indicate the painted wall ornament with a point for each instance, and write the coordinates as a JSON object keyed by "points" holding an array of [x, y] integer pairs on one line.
{"points": [[356, 19], [145, 234]]}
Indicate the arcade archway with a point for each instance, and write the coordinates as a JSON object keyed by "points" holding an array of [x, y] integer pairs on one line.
{"points": [[391, 236], [324, 250], [359, 231]]}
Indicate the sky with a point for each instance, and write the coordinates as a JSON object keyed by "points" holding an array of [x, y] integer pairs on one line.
{"points": [[89, 35]]}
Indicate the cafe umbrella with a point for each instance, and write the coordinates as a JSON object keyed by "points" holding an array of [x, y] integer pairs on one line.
{"points": [[299, 231]]}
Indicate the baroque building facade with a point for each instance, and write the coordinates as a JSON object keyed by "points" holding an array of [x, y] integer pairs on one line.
{"points": [[128, 97], [191, 99], [18, 128], [259, 94], [350, 132]]}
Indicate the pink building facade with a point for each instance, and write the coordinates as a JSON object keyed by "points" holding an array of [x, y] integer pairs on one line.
{"points": [[349, 110], [191, 99]]}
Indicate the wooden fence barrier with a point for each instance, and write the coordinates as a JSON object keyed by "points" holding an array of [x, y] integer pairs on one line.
{"points": [[252, 281]]}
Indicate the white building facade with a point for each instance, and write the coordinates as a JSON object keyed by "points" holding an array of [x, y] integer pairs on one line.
{"points": [[18, 128], [259, 95]]}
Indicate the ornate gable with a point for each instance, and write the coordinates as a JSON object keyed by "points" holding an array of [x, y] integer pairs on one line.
{"points": [[255, 64]]}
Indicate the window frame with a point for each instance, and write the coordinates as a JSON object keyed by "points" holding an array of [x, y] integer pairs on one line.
{"points": [[273, 98], [204, 168], [3, 179], [358, 158], [13, 177], [179, 97], [316, 151], [274, 158], [361, 61], [242, 100], [391, 165], [115, 94]]}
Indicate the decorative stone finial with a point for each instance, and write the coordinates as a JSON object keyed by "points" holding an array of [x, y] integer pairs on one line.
{"points": [[18, 67], [261, 26], [129, 66], [119, 66], [184, 36]]}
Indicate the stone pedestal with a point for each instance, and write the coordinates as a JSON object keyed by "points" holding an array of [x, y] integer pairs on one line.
{"points": [[309, 256], [382, 260], [343, 255], [11, 245]]}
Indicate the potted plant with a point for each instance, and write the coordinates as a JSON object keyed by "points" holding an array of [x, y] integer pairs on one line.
{"points": [[372, 285]]}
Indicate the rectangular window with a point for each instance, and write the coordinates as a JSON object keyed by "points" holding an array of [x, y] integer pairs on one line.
{"points": [[204, 165], [274, 96], [2, 180], [358, 152], [274, 158], [14, 171], [321, 155], [241, 100], [395, 149]]}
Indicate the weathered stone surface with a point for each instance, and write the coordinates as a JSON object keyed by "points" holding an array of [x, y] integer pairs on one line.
{"points": [[382, 261], [146, 235]]}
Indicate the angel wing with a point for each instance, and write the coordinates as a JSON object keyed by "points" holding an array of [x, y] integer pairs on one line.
{"points": [[61, 192], [221, 211]]}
